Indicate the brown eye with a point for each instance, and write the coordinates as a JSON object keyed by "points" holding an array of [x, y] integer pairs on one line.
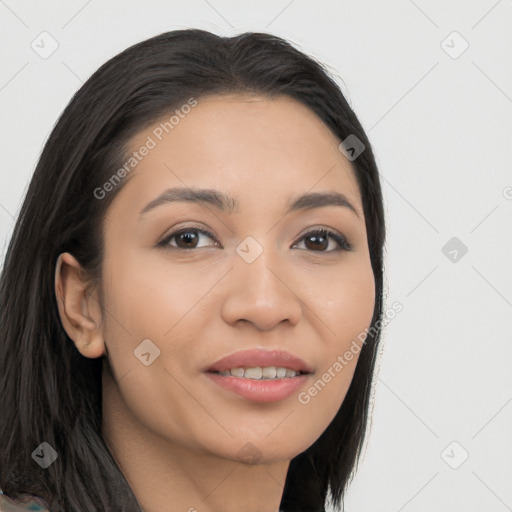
{"points": [[320, 241], [186, 238], [317, 242]]}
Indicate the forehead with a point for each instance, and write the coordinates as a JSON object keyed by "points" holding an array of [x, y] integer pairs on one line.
{"points": [[241, 143], [219, 121]]}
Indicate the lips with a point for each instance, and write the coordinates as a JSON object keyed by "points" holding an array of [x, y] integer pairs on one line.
{"points": [[259, 357]]}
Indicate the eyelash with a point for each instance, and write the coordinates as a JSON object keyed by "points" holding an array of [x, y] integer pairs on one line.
{"points": [[343, 243]]}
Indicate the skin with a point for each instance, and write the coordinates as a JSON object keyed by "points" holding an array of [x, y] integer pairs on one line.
{"points": [[178, 437]]}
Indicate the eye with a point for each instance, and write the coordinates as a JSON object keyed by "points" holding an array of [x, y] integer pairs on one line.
{"points": [[186, 238], [324, 240], [319, 240]]}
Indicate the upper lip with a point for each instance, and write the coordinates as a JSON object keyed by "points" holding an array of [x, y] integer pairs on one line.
{"points": [[259, 357]]}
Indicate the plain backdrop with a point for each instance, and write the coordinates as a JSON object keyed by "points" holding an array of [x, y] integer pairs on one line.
{"points": [[431, 82]]}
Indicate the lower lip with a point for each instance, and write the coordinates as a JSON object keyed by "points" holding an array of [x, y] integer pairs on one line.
{"points": [[265, 390]]}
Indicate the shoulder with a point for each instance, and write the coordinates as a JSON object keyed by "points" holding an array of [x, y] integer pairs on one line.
{"points": [[23, 504]]}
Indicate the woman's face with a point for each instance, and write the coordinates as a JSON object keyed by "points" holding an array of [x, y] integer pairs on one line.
{"points": [[175, 305]]}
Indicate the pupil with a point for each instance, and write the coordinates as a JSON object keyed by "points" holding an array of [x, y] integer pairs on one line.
{"points": [[188, 237], [317, 242]]}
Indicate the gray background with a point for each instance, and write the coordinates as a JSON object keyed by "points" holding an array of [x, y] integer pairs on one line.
{"points": [[440, 121]]}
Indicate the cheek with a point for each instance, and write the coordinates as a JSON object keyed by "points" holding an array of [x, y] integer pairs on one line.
{"points": [[151, 302], [347, 303], [144, 302], [346, 309], [148, 297]]}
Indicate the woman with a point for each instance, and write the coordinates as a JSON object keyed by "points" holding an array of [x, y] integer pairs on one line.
{"points": [[192, 296]]}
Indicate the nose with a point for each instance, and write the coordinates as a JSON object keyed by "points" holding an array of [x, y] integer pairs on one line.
{"points": [[261, 293]]}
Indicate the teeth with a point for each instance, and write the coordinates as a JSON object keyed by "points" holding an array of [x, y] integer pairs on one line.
{"points": [[269, 372], [236, 372], [253, 373], [260, 373]]}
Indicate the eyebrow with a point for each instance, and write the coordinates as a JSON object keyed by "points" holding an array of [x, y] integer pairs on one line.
{"points": [[226, 203]]}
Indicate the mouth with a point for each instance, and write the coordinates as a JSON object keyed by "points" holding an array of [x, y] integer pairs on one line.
{"points": [[260, 375], [258, 363]]}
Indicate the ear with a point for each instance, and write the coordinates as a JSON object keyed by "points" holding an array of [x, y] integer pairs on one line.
{"points": [[79, 308]]}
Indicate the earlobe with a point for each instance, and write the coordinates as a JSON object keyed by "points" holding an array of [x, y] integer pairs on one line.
{"points": [[79, 309]]}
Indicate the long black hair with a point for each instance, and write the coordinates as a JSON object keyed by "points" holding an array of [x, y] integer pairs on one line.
{"points": [[49, 391]]}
